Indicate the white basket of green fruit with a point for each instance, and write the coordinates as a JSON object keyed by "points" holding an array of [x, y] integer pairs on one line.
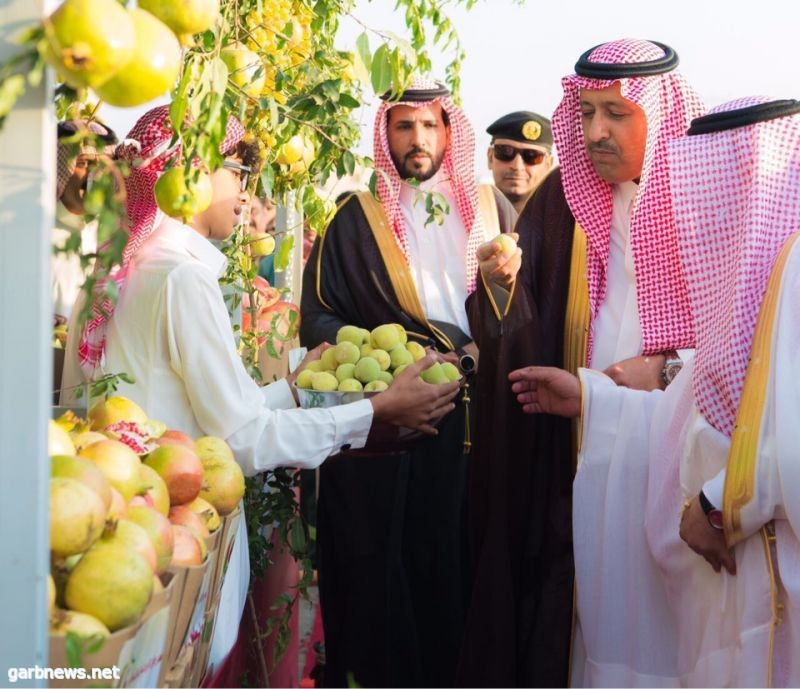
{"points": [[362, 364]]}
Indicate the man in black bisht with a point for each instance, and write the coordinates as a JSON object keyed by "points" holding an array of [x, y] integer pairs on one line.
{"points": [[393, 567]]}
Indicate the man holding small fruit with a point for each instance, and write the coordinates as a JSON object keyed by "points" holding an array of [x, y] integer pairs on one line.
{"points": [[390, 522]]}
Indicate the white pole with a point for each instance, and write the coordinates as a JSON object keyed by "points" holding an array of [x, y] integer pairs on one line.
{"points": [[27, 169]]}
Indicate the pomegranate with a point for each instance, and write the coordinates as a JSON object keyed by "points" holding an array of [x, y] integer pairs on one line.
{"points": [[223, 484], [181, 199], [245, 69], [156, 494], [159, 530], [58, 440], [84, 471], [181, 514], [118, 509], [207, 512], [152, 69], [63, 621], [131, 536], [184, 16], [211, 447], [113, 410], [190, 549], [77, 516], [181, 470], [86, 438], [173, 437], [119, 463], [112, 583], [88, 41]]}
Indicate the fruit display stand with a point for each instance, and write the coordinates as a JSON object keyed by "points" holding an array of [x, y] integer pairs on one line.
{"points": [[138, 650]]}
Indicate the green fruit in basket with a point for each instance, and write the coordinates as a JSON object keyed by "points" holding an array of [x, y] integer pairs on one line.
{"points": [[328, 359], [366, 349], [451, 371], [401, 332], [367, 369], [350, 333], [401, 356], [416, 350], [399, 370], [324, 381], [385, 337], [434, 374], [365, 336], [347, 353], [382, 357], [386, 377], [314, 366], [304, 379], [345, 371], [375, 386], [350, 385]]}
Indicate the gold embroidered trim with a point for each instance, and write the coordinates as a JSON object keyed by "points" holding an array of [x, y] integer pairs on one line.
{"points": [[487, 204], [741, 472], [768, 537]]}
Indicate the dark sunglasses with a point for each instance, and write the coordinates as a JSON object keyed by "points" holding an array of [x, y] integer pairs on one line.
{"points": [[243, 170], [506, 153]]}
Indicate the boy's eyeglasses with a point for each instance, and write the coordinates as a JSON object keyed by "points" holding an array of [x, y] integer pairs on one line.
{"points": [[243, 170], [530, 156]]}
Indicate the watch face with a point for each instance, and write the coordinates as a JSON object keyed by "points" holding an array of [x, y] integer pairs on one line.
{"points": [[715, 519], [671, 370]]}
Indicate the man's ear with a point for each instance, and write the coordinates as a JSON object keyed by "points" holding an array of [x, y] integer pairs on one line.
{"points": [[489, 157]]}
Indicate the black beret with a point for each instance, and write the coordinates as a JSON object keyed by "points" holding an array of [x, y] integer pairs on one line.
{"points": [[523, 126]]}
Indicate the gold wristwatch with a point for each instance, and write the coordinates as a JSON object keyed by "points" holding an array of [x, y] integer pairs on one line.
{"points": [[672, 366]]}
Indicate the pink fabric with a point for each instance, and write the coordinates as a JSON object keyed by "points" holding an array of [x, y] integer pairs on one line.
{"points": [[736, 195], [148, 149], [458, 165], [669, 104]]}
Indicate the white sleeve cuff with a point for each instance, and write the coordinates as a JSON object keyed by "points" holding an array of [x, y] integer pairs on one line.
{"points": [[278, 395], [352, 422], [714, 489]]}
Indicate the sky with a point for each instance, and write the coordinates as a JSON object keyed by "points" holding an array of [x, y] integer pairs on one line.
{"points": [[517, 54]]}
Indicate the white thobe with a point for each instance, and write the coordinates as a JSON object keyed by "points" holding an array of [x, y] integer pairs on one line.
{"points": [[622, 635], [172, 333], [437, 253]]}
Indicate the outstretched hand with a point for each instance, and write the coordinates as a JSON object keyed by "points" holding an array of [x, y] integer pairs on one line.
{"points": [[497, 266], [412, 403], [704, 539], [547, 390]]}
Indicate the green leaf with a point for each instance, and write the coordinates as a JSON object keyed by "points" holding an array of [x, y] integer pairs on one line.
{"points": [[381, 72], [284, 253], [10, 90], [362, 48]]}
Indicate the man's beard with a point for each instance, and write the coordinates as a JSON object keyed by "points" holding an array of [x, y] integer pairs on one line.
{"points": [[407, 168]]}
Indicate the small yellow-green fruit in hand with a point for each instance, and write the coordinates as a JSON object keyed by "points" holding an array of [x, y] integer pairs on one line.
{"points": [[345, 371], [261, 244], [367, 369], [434, 374], [350, 333], [451, 371], [181, 200], [350, 385], [416, 350], [328, 359], [304, 378], [507, 244], [400, 356], [324, 381], [347, 353], [382, 357], [375, 386], [385, 337]]}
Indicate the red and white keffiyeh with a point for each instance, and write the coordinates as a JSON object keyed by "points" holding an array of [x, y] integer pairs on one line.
{"points": [[736, 195], [669, 104], [458, 165], [148, 148]]}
